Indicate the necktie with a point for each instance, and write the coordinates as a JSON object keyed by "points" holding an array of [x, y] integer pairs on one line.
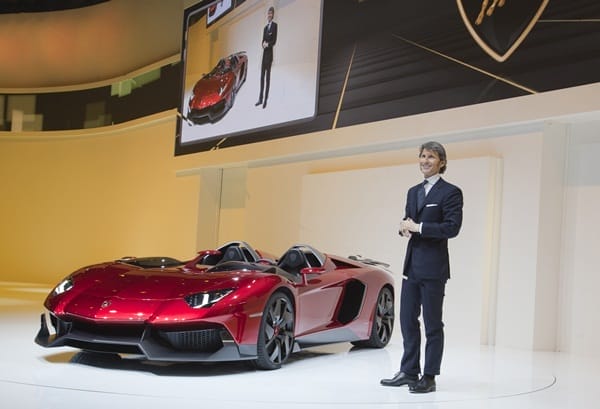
{"points": [[421, 195]]}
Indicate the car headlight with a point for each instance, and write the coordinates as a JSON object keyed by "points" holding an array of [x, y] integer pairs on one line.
{"points": [[206, 299], [64, 286]]}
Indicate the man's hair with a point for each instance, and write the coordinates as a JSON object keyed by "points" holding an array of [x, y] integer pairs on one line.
{"points": [[272, 10], [437, 148]]}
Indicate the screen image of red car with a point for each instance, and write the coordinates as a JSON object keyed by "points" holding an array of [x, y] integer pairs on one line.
{"points": [[232, 303], [214, 94]]}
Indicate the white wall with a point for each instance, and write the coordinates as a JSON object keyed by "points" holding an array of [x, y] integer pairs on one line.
{"points": [[537, 289], [579, 325], [358, 212], [508, 285]]}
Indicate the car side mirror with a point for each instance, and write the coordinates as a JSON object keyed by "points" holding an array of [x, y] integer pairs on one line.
{"points": [[312, 270]]}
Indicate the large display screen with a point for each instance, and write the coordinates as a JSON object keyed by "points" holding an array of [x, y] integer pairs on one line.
{"points": [[371, 60], [248, 66]]}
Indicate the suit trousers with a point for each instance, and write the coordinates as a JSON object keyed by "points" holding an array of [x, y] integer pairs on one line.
{"points": [[265, 79], [428, 294]]}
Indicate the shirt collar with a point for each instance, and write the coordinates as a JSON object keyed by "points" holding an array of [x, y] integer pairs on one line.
{"points": [[433, 179]]}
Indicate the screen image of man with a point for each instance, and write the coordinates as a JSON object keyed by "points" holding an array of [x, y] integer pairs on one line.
{"points": [[269, 38]]}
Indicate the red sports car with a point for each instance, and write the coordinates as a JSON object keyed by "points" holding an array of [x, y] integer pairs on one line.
{"points": [[233, 303], [214, 94]]}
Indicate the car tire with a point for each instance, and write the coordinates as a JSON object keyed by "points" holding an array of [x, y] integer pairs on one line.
{"points": [[276, 333], [383, 321]]}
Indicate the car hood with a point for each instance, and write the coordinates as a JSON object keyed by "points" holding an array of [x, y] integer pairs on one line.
{"points": [[135, 283], [212, 84], [121, 292]]}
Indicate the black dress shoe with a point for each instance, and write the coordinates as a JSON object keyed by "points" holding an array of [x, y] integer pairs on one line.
{"points": [[425, 385], [265, 104], [400, 379], [258, 102]]}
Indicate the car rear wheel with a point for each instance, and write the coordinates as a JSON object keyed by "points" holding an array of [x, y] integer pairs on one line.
{"points": [[383, 321], [276, 334]]}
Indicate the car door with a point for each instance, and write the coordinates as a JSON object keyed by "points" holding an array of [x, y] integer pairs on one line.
{"points": [[318, 298]]}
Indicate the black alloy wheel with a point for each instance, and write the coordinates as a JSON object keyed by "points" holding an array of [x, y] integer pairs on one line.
{"points": [[276, 334]]}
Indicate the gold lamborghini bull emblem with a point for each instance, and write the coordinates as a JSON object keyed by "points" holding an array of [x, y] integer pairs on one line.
{"points": [[500, 26], [488, 9]]}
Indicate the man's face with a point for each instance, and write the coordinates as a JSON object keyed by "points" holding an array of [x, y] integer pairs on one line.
{"points": [[269, 15], [430, 163]]}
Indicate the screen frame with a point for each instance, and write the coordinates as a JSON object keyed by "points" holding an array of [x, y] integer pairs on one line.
{"points": [[276, 127]]}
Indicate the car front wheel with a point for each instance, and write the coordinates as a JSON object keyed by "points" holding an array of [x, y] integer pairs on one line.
{"points": [[276, 334]]}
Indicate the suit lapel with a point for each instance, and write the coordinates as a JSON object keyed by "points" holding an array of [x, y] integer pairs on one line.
{"points": [[433, 192]]}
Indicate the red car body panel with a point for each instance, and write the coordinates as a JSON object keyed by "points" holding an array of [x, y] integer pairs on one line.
{"points": [[127, 307]]}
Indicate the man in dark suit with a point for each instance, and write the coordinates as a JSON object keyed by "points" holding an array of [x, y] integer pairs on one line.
{"points": [[433, 215], [269, 39]]}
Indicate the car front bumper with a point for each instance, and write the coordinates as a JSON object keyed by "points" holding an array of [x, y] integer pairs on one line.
{"points": [[205, 344]]}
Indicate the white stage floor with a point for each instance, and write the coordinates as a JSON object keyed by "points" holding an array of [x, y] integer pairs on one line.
{"points": [[32, 377]]}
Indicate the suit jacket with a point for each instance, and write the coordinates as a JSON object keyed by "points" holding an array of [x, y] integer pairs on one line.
{"points": [[441, 215], [270, 37]]}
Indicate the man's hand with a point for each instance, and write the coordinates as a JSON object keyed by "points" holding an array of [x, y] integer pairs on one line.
{"points": [[404, 233], [408, 226]]}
